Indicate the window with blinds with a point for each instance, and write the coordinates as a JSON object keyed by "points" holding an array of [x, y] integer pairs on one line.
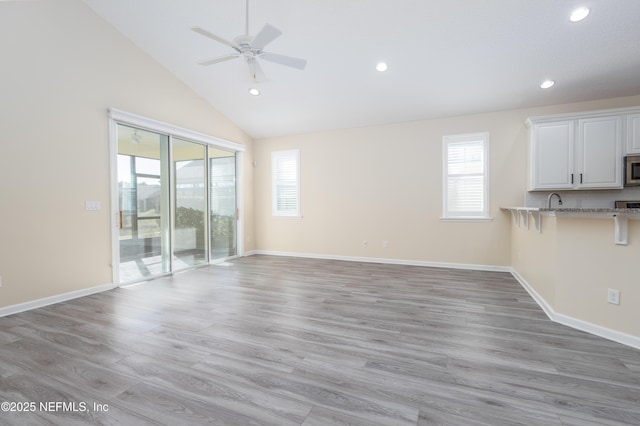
{"points": [[466, 176], [285, 175]]}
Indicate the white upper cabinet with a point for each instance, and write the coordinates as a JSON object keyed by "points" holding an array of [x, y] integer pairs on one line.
{"points": [[633, 133], [553, 155], [599, 153], [582, 151]]}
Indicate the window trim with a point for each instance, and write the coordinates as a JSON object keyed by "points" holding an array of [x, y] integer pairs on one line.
{"points": [[274, 183], [479, 216]]}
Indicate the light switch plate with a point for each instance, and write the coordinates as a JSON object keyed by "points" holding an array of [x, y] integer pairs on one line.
{"points": [[92, 205]]}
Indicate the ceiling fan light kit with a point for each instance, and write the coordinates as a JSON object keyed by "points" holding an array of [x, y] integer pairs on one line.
{"points": [[547, 84], [251, 49], [579, 14]]}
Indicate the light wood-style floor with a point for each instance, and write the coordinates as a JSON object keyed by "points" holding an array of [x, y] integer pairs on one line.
{"points": [[284, 341]]}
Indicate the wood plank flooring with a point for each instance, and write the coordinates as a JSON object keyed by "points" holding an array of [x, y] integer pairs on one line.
{"points": [[285, 341]]}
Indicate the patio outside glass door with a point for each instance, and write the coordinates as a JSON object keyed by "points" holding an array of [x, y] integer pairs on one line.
{"points": [[143, 177]]}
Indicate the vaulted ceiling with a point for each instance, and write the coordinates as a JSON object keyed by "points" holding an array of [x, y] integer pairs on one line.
{"points": [[445, 57]]}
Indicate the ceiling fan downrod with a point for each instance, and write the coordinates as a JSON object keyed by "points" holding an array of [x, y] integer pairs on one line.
{"points": [[247, 19]]}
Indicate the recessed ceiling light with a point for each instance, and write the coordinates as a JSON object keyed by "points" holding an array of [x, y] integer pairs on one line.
{"points": [[579, 14], [254, 92], [382, 67], [547, 83]]}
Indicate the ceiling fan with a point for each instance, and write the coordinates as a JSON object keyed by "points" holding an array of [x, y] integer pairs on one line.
{"points": [[251, 49]]}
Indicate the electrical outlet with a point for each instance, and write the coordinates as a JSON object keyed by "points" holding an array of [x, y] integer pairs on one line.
{"points": [[365, 243], [0, 281], [613, 296], [385, 244]]}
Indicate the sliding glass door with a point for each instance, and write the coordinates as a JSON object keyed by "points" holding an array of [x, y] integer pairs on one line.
{"points": [[143, 203], [190, 223], [176, 203], [222, 172]]}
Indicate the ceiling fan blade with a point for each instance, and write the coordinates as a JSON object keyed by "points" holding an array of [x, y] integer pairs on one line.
{"points": [[206, 33], [267, 34], [255, 69], [218, 59], [284, 60]]}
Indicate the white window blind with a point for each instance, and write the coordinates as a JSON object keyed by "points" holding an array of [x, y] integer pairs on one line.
{"points": [[465, 180], [285, 174]]}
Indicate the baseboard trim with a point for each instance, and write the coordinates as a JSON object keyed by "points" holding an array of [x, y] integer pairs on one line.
{"points": [[474, 267], [46, 301], [588, 327], [542, 303]]}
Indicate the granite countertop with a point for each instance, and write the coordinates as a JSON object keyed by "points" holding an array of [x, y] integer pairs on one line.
{"points": [[575, 210], [588, 210]]}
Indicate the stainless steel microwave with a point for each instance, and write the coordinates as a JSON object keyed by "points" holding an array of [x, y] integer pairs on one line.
{"points": [[632, 170]]}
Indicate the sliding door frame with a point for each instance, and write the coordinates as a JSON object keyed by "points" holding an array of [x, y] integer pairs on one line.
{"points": [[117, 117]]}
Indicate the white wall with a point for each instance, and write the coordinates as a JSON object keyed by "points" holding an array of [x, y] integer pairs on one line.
{"points": [[62, 68], [385, 184], [573, 262], [589, 263], [534, 256]]}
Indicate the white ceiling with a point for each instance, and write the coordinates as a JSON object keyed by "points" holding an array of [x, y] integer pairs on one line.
{"points": [[445, 57]]}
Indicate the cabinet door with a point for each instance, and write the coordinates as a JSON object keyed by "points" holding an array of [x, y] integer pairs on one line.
{"points": [[633, 134], [552, 155], [599, 152]]}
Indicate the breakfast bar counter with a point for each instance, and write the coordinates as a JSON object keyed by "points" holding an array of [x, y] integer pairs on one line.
{"points": [[620, 216]]}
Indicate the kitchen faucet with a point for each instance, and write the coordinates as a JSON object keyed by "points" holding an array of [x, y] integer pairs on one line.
{"points": [[549, 199]]}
